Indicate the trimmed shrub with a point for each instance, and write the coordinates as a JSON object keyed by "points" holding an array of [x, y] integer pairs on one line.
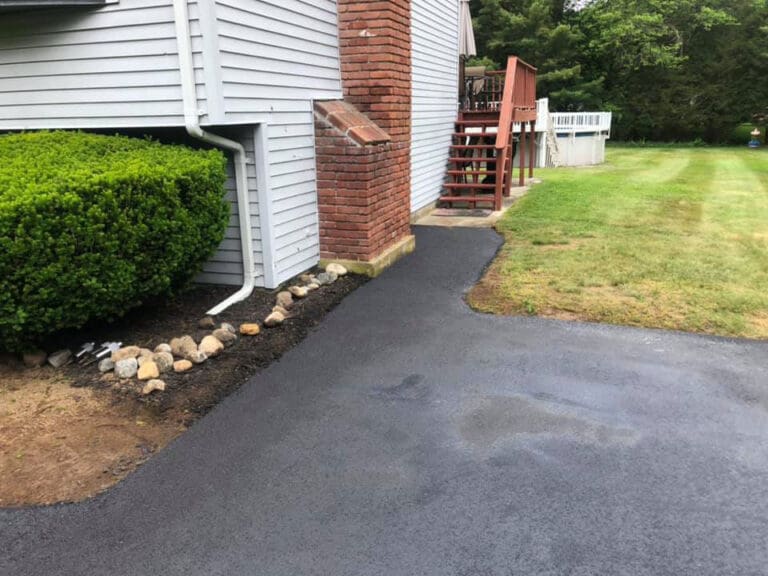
{"points": [[92, 226]]}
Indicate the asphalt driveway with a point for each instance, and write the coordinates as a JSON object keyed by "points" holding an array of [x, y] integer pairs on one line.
{"points": [[411, 436]]}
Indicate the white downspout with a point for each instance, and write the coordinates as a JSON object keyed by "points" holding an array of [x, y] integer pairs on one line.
{"points": [[192, 124]]}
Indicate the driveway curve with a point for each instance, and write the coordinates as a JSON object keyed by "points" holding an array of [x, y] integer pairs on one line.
{"points": [[411, 436]]}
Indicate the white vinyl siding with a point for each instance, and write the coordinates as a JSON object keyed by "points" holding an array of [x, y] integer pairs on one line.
{"points": [[117, 66], [293, 190], [292, 194], [435, 41], [277, 55], [112, 67], [226, 266]]}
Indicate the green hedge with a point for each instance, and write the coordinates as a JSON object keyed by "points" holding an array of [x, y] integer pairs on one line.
{"points": [[92, 226]]}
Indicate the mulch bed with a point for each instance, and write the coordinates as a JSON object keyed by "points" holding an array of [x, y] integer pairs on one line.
{"points": [[191, 394]]}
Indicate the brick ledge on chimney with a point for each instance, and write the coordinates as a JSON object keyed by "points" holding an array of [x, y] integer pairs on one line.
{"points": [[351, 122]]}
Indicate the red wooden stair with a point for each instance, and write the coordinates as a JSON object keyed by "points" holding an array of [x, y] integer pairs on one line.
{"points": [[480, 160]]}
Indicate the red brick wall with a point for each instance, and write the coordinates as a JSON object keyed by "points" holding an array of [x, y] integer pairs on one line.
{"points": [[364, 188]]}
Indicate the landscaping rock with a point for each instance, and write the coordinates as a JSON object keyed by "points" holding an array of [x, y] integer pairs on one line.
{"points": [[326, 278], [126, 368], [182, 365], [228, 326], [284, 299], [212, 346], [164, 361], [125, 352], [250, 329], [145, 352], [207, 323], [282, 311], [274, 319], [106, 365], [162, 348], [198, 357], [60, 358], [298, 291], [143, 359], [225, 337], [312, 286], [336, 268], [307, 278], [108, 376], [184, 347], [148, 370], [34, 358], [152, 386]]}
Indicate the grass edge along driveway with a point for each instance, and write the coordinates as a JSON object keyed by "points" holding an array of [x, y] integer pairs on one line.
{"points": [[673, 238]]}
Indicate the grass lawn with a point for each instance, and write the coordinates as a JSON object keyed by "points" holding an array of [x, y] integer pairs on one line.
{"points": [[671, 238]]}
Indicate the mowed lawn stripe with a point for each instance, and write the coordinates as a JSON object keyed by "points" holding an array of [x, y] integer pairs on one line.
{"points": [[672, 238]]}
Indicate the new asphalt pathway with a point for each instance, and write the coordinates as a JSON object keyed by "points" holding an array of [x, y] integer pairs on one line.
{"points": [[411, 436]]}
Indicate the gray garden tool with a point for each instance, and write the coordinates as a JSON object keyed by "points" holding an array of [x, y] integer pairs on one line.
{"points": [[106, 349], [82, 355]]}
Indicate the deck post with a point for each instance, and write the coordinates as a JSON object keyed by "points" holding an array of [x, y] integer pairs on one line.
{"points": [[532, 151], [521, 146]]}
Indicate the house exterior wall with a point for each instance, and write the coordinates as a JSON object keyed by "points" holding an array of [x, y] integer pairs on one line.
{"points": [[273, 58], [226, 266], [435, 56], [276, 55], [108, 68], [257, 62], [283, 204], [117, 66], [291, 192]]}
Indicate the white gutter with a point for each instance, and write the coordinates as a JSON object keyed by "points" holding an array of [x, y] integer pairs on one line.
{"points": [[192, 124]]}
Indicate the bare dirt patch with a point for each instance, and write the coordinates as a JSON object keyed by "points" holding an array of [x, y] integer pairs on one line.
{"points": [[68, 434], [59, 443], [558, 246], [607, 304], [758, 322]]}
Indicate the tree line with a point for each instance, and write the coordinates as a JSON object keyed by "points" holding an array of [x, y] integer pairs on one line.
{"points": [[669, 70]]}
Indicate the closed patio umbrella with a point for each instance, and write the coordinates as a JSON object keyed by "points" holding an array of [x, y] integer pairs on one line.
{"points": [[466, 33], [467, 46]]}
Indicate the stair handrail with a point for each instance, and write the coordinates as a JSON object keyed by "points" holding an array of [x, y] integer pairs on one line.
{"points": [[519, 93]]}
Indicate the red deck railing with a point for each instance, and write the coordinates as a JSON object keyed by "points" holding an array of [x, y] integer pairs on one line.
{"points": [[518, 104]]}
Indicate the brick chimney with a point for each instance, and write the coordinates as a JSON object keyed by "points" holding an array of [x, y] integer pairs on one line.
{"points": [[363, 143]]}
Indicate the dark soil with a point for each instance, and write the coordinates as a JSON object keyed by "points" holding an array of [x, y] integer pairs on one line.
{"points": [[191, 394], [68, 434]]}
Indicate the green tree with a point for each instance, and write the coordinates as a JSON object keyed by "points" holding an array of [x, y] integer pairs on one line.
{"points": [[649, 54], [539, 32], [668, 69]]}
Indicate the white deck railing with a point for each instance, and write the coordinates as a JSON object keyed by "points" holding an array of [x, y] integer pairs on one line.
{"points": [[569, 122], [581, 121]]}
